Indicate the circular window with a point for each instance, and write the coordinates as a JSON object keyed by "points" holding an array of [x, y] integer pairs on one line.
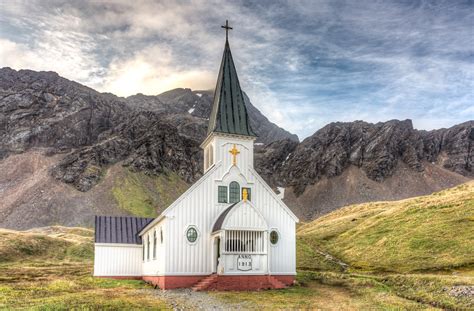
{"points": [[274, 237], [192, 235]]}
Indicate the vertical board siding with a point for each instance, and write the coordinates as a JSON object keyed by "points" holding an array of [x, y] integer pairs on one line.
{"points": [[199, 208], [127, 260], [155, 266], [244, 216]]}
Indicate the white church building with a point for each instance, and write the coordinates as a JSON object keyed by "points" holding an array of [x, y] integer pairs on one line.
{"points": [[228, 231]]}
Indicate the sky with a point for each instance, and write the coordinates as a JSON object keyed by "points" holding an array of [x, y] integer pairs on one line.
{"points": [[304, 64]]}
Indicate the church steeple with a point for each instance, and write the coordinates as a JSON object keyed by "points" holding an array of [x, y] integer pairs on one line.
{"points": [[229, 114]]}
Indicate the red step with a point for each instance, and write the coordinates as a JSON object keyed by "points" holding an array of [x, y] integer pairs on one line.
{"points": [[216, 282], [276, 283], [205, 283]]}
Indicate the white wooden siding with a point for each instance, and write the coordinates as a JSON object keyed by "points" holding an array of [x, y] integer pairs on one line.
{"points": [[245, 216], [199, 207], [156, 266], [117, 259]]}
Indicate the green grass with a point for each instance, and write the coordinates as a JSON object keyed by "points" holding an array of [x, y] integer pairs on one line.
{"points": [[53, 285], [51, 269], [145, 195], [325, 291], [426, 233]]}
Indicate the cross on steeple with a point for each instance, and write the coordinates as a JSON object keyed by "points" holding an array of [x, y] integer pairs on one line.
{"points": [[227, 28], [234, 152]]}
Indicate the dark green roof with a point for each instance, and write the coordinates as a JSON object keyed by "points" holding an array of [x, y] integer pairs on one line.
{"points": [[229, 114]]}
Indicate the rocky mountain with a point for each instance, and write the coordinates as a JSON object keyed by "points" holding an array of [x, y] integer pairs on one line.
{"points": [[189, 111], [346, 163], [68, 152], [63, 132]]}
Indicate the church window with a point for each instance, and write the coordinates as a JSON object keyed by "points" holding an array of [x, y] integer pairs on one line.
{"points": [[154, 245], [161, 235], [191, 234], [249, 193], [211, 155], [222, 194], [148, 247], [234, 192], [143, 250], [206, 159], [274, 237]]}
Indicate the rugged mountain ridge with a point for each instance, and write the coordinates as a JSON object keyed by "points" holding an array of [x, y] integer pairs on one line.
{"points": [[189, 111], [375, 148], [113, 151], [378, 152], [44, 110]]}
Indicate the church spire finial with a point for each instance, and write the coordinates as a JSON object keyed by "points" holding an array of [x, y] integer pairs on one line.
{"points": [[227, 28]]}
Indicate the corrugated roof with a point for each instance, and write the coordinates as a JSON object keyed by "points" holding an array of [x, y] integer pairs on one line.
{"points": [[218, 224], [119, 229], [229, 114]]}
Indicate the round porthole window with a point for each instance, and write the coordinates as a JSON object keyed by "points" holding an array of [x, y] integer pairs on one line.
{"points": [[274, 237], [191, 234]]}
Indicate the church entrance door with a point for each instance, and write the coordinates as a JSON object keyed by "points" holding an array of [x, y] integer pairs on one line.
{"points": [[217, 254]]}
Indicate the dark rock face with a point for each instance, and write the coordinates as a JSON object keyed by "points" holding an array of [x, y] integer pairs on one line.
{"points": [[272, 158], [41, 109], [452, 148], [374, 148], [190, 110], [144, 143]]}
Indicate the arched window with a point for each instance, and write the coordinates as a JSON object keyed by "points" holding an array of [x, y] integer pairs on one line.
{"points": [[161, 235], [148, 248], [211, 155], [154, 245], [234, 192], [206, 158]]}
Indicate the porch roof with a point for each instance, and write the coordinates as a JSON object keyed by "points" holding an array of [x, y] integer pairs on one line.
{"points": [[220, 221], [238, 216]]}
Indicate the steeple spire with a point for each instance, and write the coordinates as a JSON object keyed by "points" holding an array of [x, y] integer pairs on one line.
{"points": [[229, 113]]}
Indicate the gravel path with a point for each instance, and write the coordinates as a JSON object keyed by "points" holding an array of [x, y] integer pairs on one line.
{"points": [[186, 299]]}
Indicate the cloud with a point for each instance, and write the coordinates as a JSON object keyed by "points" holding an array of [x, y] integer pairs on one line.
{"points": [[152, 71], [303, 64]]}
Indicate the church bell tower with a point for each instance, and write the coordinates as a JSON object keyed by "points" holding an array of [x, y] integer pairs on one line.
{"points": [[229, 137]]}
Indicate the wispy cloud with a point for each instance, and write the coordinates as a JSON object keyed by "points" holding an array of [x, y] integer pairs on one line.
{"points": [[303, 63]]}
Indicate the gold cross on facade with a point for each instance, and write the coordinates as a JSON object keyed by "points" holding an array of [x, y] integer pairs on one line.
{"points": [[234, 152]]}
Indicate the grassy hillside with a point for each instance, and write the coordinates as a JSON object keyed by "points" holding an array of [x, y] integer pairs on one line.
{"points": [[146, 196], [50, 243], [433, 232], [51, 269]]}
